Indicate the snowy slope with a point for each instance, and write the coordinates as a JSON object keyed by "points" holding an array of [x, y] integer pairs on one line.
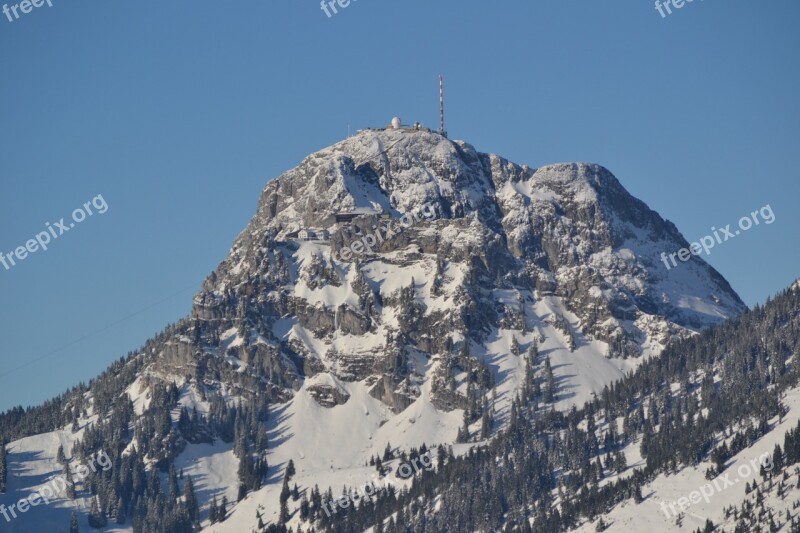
{"points": [[355, 355], [655, 513]]}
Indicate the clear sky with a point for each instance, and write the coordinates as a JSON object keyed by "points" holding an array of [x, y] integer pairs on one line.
{"points": [[179, 112]]}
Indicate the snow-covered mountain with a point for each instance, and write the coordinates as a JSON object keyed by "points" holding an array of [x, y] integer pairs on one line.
{"points": [[391, 289], [561, 252]]}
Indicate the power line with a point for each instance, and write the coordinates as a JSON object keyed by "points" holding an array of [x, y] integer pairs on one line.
{"points": [[96, 332]]}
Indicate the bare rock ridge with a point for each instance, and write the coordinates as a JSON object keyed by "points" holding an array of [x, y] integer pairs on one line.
{"points": [[560, 251]]}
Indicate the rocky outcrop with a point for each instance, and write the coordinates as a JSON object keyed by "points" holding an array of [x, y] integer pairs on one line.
{"points": [[502, 239]]}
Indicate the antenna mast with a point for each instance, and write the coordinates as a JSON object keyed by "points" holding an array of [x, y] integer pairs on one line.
{"points": [[441, 106]]}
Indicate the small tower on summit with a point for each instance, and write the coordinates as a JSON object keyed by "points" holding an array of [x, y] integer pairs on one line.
{"points": [[442, 131]]}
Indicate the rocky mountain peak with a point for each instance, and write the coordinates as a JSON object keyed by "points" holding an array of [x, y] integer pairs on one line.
{"points": [[333, 275]]}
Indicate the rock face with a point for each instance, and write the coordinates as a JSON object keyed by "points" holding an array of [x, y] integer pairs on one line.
{"points": [[561, 251]]}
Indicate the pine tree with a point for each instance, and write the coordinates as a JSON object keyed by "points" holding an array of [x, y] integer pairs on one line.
{"points": [[387, 452], [120, 512], [550, 382], [620, 462], [284, 516], [70, 482], [190, 500], [305, 508], [777, 458], [285, 492], [223, 509], [637, 494], [213, 511], [262, 441], [172, 484], [486, 423], [284, 497], [463, 432], [73, 523], [97, 516], [251, 473], [185, 422], [60, 457]]}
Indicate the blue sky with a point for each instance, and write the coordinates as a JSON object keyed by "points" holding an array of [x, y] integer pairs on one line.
{"points": [[179, 112]]}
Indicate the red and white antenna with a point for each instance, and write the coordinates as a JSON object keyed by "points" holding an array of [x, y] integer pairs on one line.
{"points": [[442, 131]]}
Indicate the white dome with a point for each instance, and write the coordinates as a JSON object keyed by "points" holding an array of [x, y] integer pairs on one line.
{"points": [[396, 123]]}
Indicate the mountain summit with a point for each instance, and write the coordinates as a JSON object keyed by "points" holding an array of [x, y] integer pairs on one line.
{"points": [[395, 288], [562, 255]]}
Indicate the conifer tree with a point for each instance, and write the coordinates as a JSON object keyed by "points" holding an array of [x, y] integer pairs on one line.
{"points": [[190, 500], [213, 511], [486, 423], [70, 482], [97, 516], [172, 483], [223, 509], [285, 492], [120, 512], [304, 508], [387, 452], [550, 382], [284, 515]]}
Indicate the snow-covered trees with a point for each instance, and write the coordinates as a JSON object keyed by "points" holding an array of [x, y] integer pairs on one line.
{"points": [[510, 482]]}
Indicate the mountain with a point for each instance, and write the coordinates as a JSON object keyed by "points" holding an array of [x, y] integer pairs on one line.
{"points": [[705, 438], [395, 290], [510, 248]]}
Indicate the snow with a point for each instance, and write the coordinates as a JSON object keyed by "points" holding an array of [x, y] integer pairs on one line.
{"points": [[650, 515], [331, 445], [213, 468], [582, 373], [32, 467], [137, 392]]}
